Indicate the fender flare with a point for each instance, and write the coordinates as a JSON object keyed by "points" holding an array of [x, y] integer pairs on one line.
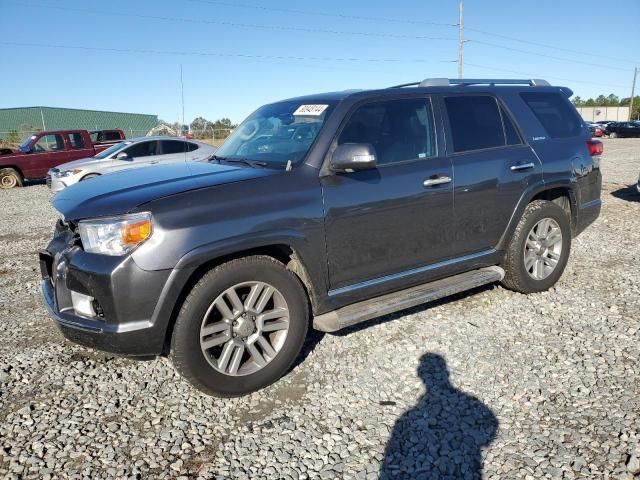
{"points": [[530, 192]]}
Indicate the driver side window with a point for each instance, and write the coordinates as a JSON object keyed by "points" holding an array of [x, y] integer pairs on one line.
{"points": [[399, 130], [49, 143]]}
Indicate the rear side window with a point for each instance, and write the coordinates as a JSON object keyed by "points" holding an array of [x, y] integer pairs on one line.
{"points": [[173, 146], [192, 146], [76, 140], [475, 122], [110, 135], [556, 116], [142, 149]]}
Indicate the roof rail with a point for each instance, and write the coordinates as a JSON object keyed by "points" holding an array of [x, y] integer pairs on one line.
{"points": [[445, 82]]}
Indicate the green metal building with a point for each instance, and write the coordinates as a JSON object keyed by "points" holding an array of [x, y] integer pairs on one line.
{"points": [[28, 119]]}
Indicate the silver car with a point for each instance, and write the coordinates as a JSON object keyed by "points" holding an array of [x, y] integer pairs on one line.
{"points": [[135, 153]]}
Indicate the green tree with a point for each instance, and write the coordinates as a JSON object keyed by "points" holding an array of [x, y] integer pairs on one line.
{"points": [[590, 103], [601, 100], [578, 102], [612, 100]]}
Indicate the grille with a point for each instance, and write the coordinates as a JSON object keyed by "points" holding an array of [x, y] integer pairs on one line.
{"points": [[49, 181]]}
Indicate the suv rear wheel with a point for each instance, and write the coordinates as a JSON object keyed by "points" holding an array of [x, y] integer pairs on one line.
{"points": [[9, 178], [241, 327], [539, 248]]}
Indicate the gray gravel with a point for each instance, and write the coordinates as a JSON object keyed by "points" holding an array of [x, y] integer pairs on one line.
{"points": [[538, 386]]}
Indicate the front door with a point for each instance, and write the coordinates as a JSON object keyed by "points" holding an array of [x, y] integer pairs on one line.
{"points": [[398, 216], [47, 151]]}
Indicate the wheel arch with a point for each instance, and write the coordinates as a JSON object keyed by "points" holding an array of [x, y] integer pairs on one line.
{"points": [[283, 252], [562, 192], [14, 167]]}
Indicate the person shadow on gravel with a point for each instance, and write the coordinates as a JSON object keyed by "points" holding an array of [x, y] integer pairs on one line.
{"points": [[443, 435]]}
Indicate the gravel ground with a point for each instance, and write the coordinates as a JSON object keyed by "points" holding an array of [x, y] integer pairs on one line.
{"points": [[491, 383]]}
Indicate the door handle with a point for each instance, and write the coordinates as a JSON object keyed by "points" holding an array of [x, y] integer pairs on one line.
{"points": [[153, 162], [521, 166], [432, 182]]}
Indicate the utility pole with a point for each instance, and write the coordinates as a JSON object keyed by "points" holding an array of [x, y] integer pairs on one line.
{"points": [[182, 97], [460, 42], [633, 91]]}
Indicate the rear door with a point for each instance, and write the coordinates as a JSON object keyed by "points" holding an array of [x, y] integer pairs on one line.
{"points": [[492, 166], [78, 146], [382, 224]]}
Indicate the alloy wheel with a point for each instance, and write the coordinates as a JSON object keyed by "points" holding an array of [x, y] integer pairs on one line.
{"points": [[244, 328], [543, 249]]}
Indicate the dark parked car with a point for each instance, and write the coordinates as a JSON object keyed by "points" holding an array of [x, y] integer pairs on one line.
{"points": [[594, 129], [393, 198], [623, 129]]}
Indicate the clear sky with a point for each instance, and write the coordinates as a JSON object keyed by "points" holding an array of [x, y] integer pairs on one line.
{"points": [[237, 56]]}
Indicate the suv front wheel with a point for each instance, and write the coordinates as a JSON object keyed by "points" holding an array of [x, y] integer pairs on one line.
{"points": [[539, 248], [241, 327]]}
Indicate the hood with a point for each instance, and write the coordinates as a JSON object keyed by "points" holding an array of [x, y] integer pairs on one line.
{"points": [[120, 192], [81, 163]]}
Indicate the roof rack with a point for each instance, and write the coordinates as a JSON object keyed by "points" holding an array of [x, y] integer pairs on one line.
{"points": [[445, 82]]}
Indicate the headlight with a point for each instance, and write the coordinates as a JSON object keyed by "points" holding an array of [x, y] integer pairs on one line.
{"points": [[115, 235], [67, 173]]}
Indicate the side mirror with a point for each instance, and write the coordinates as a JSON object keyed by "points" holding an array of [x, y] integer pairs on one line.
{"points": [[351, 157], [122, 156]]}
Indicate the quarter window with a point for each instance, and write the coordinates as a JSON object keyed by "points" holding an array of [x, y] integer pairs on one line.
{"points": [[510, 133], [558, 118], [475, 122], [399, 130]]}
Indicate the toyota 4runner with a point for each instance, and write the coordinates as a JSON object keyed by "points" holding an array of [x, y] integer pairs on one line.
{"points": [[323, 211]]}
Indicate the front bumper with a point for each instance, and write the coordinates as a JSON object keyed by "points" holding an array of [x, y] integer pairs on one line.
{"points": [[128, 317], [56, 184]]}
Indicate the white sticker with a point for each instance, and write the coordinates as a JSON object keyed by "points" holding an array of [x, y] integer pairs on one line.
{"points": [[312, 110]]}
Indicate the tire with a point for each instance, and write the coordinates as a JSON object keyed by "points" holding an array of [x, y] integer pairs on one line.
{"points": [[613, 135], [9, 178], [522, 249], [89, 177], [198, 313]]}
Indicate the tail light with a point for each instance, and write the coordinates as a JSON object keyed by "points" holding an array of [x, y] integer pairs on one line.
{"points": [[595, 147]]}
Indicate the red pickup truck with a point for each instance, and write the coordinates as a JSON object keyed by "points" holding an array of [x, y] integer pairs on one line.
{"points": [[44, 150]]}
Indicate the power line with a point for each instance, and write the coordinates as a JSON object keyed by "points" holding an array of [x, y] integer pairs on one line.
{"points": [[217, 54], [316, 30], [544, 55], [536, 75], [236, 24], [323, 14], [396, 20], [546, 45], [271, 57]]}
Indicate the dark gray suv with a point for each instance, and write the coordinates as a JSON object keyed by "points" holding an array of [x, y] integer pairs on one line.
{"points": [[323, 211]]}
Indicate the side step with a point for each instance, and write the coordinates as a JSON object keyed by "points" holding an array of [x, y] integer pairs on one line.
{"points": [[393, 302]]}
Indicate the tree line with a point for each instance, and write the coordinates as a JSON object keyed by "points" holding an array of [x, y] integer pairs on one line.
{"points": [[610, 100]]}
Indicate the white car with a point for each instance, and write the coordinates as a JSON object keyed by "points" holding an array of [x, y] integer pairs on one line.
{"points": [[135, 153]]}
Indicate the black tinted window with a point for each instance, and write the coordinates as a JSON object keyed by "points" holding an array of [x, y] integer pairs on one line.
{"points": [[76, 140], [143, 149], [111, 136], [557, 117], [475, 122], [398, 129], [173, 146], [510, 132], [192, 146]]}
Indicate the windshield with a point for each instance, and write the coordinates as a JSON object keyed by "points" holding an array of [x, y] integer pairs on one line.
{"points": [[276, 134], [111, 149]]}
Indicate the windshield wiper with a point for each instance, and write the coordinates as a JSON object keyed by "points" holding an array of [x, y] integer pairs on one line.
{"points": [[246, 161]]}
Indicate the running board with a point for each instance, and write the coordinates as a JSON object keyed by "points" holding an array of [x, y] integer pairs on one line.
{"points": [[393, 302]]}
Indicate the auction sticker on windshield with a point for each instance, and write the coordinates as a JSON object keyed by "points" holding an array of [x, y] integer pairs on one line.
{"points": [[313, 110]]}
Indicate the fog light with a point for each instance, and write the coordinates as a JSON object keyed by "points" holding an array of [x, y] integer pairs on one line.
{"points": [[83, 304]]}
